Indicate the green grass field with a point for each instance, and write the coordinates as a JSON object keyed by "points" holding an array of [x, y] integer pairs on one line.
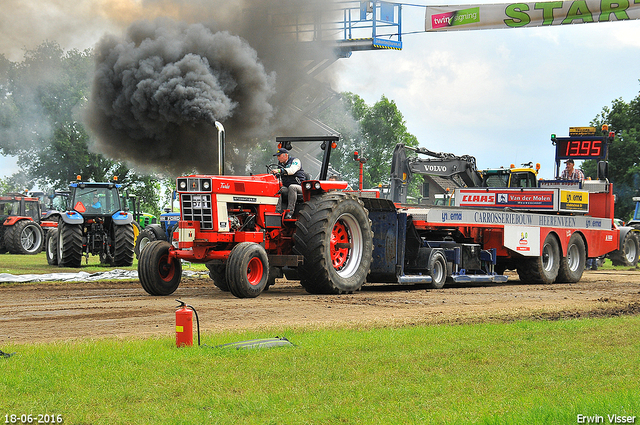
{"points": [[528, 372], [517, 373]]}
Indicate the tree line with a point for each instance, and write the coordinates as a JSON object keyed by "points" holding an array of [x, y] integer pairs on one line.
{"points": [[41, 105]]}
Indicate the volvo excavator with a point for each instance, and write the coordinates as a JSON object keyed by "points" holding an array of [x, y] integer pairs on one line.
{"points": [[462, 170]]}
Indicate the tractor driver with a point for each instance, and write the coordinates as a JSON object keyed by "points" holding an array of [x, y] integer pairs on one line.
{"points": [[96, 203], [292, 176]]}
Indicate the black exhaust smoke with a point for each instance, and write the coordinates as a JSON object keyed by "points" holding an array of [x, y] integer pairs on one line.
{"points": [[158, 91]]}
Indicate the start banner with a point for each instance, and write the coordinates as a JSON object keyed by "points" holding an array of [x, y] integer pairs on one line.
{"points": [[517, 15]]}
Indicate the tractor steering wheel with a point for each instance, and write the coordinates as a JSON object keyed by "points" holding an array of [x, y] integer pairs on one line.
{"points": [[272, 167]]}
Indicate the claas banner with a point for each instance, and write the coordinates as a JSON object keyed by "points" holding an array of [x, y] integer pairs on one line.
{"points": [[517, 15]]}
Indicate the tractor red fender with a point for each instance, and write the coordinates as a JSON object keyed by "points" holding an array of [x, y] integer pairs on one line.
{"points": [[14, 219], [313, 187]]}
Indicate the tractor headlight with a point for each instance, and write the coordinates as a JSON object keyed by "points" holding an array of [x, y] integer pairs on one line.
{"points": [[206, 185], [307, 186], [317, 185], [183, 185]]}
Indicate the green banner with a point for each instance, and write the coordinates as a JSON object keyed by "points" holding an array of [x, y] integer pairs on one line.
{"points": [[516, 15]]}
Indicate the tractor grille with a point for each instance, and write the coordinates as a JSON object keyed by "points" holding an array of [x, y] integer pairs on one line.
{"points": [[197, 208]]}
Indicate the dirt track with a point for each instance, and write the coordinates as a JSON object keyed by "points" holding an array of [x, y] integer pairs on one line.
{"points": [[63, 311]]}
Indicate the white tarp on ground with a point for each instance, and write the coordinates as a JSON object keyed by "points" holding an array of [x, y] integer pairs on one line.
{"points": [[115, 274]]}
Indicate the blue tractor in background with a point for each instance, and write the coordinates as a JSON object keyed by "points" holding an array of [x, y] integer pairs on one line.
{"points": [[158, 232], [93, 222]]}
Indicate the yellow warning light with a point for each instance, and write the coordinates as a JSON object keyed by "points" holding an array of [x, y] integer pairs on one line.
{"points": [[78, 177], [334, 145], [605, 127], [537, 166], [115, 178], [404, 176], [512, 166]]}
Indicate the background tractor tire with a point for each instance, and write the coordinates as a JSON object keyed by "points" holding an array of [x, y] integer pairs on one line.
{"points": [[572, 265], [122, 246], [144, 238], [542, 269], [159, 275], [51, 247], [247, 270], [628, 255], [25, 238], [334, 236], [69, 244], [217, 273]]}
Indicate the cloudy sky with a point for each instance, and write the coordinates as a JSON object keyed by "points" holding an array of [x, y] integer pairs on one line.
{"points": [[494, 94]]}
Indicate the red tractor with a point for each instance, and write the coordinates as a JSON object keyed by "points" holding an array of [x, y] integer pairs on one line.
{"points": [[20, 232], [230, 224]]}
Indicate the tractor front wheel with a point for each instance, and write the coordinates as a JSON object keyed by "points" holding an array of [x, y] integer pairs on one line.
{"points": [[51, 247], [145, 237], [247, 270], [159, 273]]}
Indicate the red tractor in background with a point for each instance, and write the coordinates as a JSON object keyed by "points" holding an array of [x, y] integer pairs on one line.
{"points": [[20, 231], [230, 224]]}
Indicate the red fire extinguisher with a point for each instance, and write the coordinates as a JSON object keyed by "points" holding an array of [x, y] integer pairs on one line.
{"points": [[184, 325]]}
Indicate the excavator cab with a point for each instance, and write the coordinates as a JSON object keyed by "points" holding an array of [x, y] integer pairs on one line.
{"points": [[512, 177], [526, 176]]}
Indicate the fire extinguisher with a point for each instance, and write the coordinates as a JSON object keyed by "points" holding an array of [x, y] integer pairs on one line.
{"points": [[184, 325]]}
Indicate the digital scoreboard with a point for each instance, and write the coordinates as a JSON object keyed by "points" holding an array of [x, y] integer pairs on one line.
{"points": [[581, 147]]}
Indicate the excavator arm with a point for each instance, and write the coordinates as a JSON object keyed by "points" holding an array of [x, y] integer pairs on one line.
{"points": [[441, 164]]}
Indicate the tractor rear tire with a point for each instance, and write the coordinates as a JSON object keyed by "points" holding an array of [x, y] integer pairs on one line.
{"points": [[334, 236], [24, 238], [572, 265], [628, 255], [69, 244], [51, 247], [158, 274], [542, 269], [144, 238], [217, 273], [247, 270], [122, 246]]}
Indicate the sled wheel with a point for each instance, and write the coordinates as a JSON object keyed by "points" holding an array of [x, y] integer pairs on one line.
{"points": [[542, 269], [572, 265], [69, 244], [158, 273], [247, 270], [628, 255], [333, 233], [437, 269], [51, 247], [122, 246]]}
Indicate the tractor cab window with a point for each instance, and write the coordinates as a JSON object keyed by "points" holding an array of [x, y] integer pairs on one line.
{"points": [[97, 200], [8, 208], [32, 210]]}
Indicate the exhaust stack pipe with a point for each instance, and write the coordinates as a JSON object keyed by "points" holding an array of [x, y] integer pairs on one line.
{"points": [[221, 141]]}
